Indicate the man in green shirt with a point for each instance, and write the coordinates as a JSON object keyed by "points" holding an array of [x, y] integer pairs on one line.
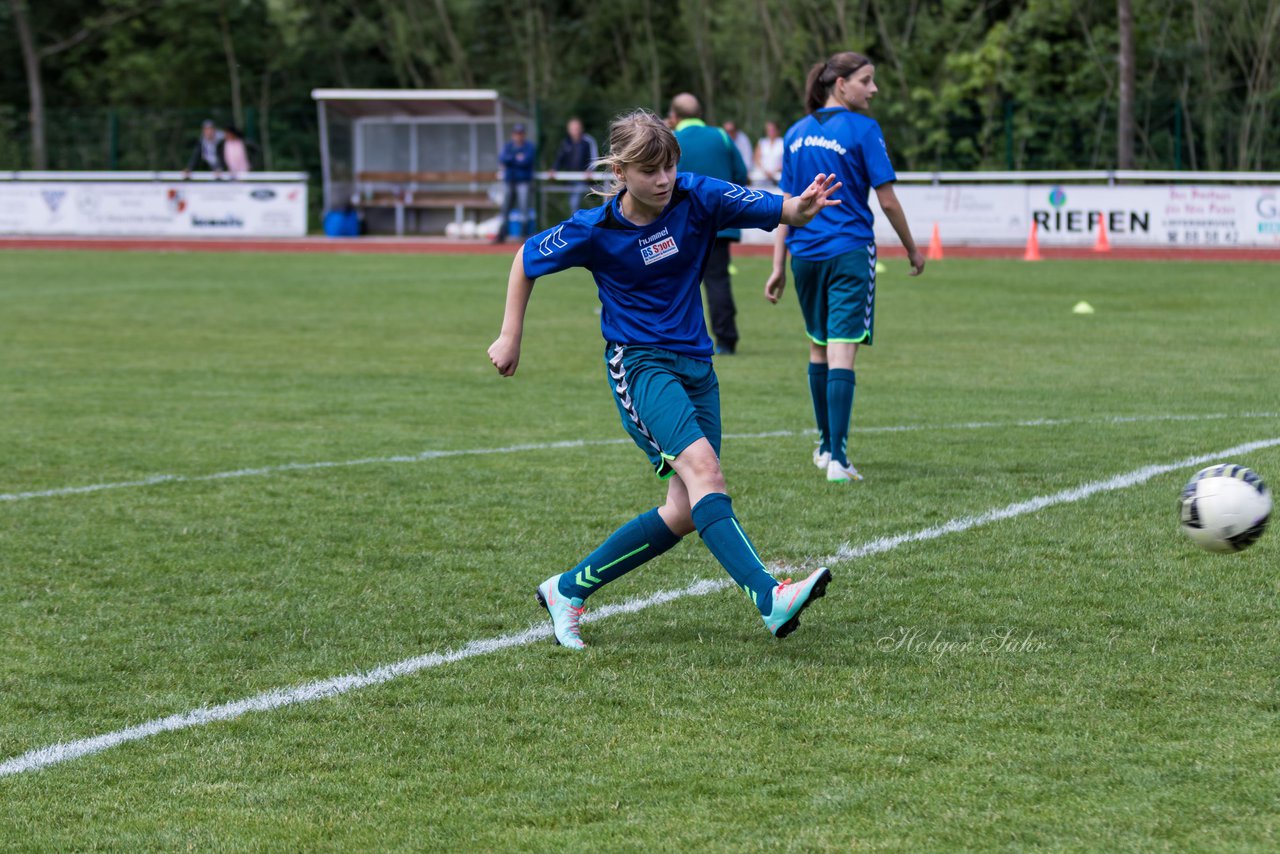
{"points": [[709, 151]]}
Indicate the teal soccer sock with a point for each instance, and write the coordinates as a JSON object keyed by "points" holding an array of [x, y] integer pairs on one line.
{"points": [[639, 541], [714, 518], [818, 391], [840, 386]]}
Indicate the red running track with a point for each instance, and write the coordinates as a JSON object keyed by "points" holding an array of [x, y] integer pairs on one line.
{"points": [[430, 246]]}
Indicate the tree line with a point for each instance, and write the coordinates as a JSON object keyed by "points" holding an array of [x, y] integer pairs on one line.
{"points": [[965, 84]]}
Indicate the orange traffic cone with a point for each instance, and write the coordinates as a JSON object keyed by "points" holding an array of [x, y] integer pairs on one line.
{"points": [[1102, 244], [1033, 246], [935, 245]]}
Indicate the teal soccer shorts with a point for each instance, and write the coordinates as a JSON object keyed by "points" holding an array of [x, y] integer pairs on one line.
{"points": [[838, 296], [667, 401]]}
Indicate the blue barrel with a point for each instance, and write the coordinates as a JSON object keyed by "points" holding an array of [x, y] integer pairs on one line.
{"points": [[342, 223], [515, 222]]}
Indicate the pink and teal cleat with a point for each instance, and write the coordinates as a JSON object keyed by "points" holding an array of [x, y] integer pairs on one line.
{"points": [[790, 599], [565, 613]]}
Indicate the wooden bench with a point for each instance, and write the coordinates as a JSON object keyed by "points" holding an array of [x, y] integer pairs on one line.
{"points": [[458, 191]]}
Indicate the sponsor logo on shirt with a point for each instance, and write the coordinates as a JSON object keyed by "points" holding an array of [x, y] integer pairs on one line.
{"points": [[657, 251], [818, 142], [645, 241]]}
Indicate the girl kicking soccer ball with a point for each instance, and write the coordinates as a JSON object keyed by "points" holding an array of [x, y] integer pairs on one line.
{"points": [[647, 247], [835, 257]]}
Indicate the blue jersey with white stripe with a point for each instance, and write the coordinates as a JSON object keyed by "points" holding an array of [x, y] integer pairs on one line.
{"points": [[649, 276], [850, 145]]}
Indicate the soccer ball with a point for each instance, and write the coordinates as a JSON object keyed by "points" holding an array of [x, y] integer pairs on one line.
{"points": [[1224, 508]]}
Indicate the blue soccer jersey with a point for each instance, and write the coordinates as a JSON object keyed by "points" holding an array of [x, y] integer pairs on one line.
{"points": [[850, 145], [649, 276]]}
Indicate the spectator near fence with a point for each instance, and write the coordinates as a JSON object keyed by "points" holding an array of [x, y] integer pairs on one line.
{"points": [[517, 159], [235, 152], [207, 153], [740, 141], [769, 154], [578, 150]]}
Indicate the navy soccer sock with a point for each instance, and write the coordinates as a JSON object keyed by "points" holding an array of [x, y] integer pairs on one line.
{"points": [[840, 386], [714, 518], [818, 391], [639, 541]]}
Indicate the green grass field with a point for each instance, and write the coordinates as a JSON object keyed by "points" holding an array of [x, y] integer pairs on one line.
{"points": [[1132, 705]]}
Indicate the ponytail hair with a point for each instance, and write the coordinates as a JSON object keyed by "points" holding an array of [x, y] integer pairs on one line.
{"points": [[824, 75], [637, 137]]}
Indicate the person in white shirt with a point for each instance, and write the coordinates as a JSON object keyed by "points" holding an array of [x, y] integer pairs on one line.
{"points": [[768, 161]]}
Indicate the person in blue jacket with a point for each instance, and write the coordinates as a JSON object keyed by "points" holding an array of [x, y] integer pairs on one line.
{"points": [[647, 248], [517, 158]]}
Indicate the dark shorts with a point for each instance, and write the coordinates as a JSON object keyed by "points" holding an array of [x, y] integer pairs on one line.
{"points": [[837, 296], [667, 401]]}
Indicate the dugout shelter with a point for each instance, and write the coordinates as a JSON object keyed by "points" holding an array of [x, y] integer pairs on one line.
{"points": [[414, 160]]}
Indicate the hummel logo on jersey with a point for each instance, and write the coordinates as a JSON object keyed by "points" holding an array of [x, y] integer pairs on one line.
{"points": [[748, 196], [658, 251], [653, 238], [552, 242]]}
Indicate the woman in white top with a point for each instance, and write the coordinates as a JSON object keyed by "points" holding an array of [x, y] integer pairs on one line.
{"points": [[769, 154]]}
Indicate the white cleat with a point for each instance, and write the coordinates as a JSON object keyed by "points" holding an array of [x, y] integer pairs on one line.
{"points": [[565, 613], [821, 458], [838, 472]]}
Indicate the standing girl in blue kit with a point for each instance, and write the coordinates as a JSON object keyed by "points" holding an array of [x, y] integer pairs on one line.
{"points": [[834, 257], [647, 248]]}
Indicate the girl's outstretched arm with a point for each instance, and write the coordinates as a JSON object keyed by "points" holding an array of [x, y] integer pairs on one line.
{"points": [[505, 352], [801, 209]]}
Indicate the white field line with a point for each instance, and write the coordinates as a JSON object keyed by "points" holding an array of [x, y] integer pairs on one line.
{"points": [[152, 480], [54, 754]]}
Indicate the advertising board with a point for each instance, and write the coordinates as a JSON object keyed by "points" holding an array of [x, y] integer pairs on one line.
{"points": [[154, 208]]}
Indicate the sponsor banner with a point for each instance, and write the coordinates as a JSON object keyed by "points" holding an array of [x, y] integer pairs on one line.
{"points": [[964, 213], [154, 209], [1170, 215]]}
